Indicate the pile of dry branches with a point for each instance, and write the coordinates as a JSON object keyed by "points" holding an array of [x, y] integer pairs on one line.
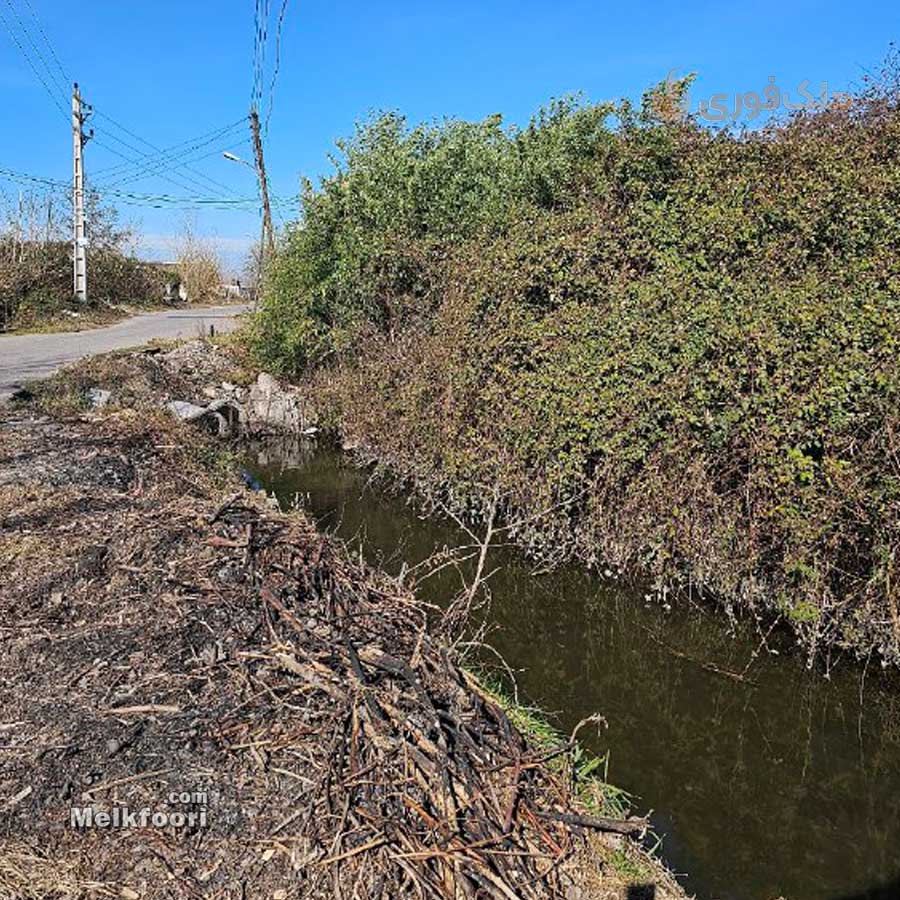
{"points": [[422, 778], [163, 632]]}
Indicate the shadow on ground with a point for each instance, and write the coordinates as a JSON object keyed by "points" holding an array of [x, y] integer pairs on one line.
{"points": [[887, 891], [641, 892]]}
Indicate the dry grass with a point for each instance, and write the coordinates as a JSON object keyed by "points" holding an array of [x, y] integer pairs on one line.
{"points": [[200, 270]]}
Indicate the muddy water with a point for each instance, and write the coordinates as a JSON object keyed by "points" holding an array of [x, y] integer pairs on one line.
{"points": [[785, 784]]}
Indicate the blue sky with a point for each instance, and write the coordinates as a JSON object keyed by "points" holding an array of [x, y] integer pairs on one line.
{"points": [[169, 71]]}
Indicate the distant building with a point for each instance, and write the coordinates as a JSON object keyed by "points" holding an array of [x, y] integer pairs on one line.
{"points": [[234, 290], [174, 291]]}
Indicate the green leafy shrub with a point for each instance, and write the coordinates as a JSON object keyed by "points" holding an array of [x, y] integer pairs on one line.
{"points": [[363, 255], [667, 348]]}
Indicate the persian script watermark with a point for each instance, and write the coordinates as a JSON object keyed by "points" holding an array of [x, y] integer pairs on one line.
{"points": [[750, 104], [184, 809]]}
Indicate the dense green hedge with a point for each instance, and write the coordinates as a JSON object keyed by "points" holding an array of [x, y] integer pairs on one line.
{"points": [[682, 343]]}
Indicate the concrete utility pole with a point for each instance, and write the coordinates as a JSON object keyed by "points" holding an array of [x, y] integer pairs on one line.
{"points": [[268, 230], [80, 239]]}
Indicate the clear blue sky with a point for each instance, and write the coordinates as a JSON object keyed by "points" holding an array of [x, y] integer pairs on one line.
{"points": [[172, 70]]}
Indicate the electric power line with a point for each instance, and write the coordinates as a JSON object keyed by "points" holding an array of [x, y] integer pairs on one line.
{"points": [[185, 182], [153, 162], [61, 87], [277, 68], [261, 14], [255, 63], [175, 150], [175, 157], [31, 64], [151, 158], [225, 203], [151, 171], [66, 80], [184, 185], [182, 180], [163, 201]]}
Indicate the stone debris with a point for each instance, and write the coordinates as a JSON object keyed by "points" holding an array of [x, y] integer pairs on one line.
{"points": [[223, 416], [99, 397], [274, 408]]}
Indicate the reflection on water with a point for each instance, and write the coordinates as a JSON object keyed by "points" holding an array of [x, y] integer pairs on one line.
{"points": [[781, 785]]}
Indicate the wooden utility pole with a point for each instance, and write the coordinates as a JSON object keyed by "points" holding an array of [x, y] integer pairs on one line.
{"points": [[79, 237], [268, 230]]}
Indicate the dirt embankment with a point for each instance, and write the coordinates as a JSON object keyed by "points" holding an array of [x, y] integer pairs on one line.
{"points": [[203, 697]]}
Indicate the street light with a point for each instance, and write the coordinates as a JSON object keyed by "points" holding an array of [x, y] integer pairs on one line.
{"points": [[234, 158]]}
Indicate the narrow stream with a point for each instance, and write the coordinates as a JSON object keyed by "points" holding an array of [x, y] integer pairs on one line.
{"points": [[786, 784]]}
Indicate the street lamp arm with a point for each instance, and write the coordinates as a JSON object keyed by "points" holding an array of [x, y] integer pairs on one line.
{"points": [[234, 158]]}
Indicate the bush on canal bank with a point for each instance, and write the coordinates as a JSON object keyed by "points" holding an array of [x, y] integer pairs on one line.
{"points": [[665, 349]]}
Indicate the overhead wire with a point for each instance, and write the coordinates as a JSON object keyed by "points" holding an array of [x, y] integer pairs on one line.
{"points": [[53, 96], [163, 171], [261, 14], [153, 170], [183, 184], [255, 63], [60, 86], [37, 20], [175, 150], [164, 199], [184, 157], [160, 159], [277, 66], [149, 164]]}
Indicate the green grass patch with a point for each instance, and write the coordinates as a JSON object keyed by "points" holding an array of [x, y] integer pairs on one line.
{"points": [[587, 771]]}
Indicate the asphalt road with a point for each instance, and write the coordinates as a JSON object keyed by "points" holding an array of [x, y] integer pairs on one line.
{"points": [[29, 356]]}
